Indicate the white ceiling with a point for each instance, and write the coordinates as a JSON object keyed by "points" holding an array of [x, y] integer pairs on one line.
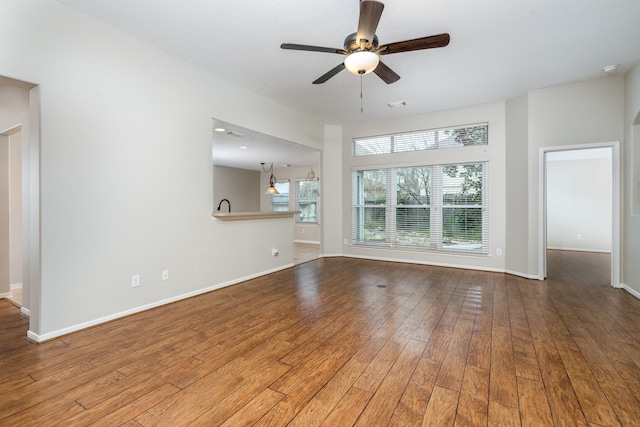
{"points": [[238, 147], [499, 48]]}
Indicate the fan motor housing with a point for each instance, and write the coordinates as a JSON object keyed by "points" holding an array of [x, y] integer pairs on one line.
{"points": [[351, 45]]}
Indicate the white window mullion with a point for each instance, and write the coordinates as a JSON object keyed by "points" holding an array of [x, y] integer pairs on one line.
{"points": [[436, 207], [392, 203], [357, 191], [485, 207]]}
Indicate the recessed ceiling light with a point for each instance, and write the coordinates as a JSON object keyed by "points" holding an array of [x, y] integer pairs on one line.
{"points": [[243, 147], [220, 129], [610, 69]]}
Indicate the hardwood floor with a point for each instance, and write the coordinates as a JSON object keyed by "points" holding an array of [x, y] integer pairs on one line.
{"points": [[304, 252], [341, 342]]}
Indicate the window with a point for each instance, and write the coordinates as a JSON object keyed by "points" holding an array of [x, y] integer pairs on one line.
{"points": [[461, 136], [280, 202], [438, 207], [307, 201]]}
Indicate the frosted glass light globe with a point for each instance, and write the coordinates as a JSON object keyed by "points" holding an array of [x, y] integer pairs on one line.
{"points": [[361, 62]]}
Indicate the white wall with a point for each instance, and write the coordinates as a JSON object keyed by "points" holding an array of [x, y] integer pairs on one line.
{"points": [[15, 104], [631, 234], [517, 216], [127, 183], [332, 198], [494, 115], [573, 114], [125, 168], [579, 202], [240, 186]]}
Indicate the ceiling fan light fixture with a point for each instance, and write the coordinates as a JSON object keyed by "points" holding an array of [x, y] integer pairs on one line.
{"points": [[361, 62]]}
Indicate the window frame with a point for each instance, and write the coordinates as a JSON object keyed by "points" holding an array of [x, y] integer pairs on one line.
{"points": [[315, 202], [288, 205], [422, 140], [435, 204]]}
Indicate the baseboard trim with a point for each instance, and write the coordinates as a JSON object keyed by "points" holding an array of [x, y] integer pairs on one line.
{"points": [[65, 331], [523, 275], [493, 270], [15, 286], [630, 290], [39, 338], [313, 242], [435, 264]]}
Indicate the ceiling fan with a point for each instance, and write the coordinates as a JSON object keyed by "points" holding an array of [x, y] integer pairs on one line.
{"points": [[362, 50]]}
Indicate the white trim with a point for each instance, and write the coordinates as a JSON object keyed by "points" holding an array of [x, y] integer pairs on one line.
{"points": [[313, 242], [492, 270], [55, 334], [15, 286], [542, 215], [12, 129], [434, 264], [519, 274], [615, 214], [439, 264], [26, 312], [630, 290], [5, 295]]}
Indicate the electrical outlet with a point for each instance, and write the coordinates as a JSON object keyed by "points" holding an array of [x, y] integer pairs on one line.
{"points": [[274, 252], [579, 237], [135, 280], [165, 274], [498, 252], [346, 242]]}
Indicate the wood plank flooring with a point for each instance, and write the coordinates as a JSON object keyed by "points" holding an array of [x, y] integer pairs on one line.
{"points": [[303, 252], [342, 342]]}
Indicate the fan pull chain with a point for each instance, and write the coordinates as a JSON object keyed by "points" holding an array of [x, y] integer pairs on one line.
{"points": [[361, 108]]}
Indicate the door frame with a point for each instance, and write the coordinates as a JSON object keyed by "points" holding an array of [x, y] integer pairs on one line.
{"points": [[615, 208]]}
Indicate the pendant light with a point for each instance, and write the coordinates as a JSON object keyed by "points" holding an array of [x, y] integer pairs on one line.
{"points": [[272, 180]]}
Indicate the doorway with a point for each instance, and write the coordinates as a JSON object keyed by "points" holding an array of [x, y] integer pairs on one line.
{"points": [[580, 201], [11, 213], [20, 130]]}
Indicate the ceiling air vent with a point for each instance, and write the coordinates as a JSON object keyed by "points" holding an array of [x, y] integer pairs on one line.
{"points": [[397, 104]]}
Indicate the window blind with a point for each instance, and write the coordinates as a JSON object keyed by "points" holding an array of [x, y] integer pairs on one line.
{"points": [[437, 207]]}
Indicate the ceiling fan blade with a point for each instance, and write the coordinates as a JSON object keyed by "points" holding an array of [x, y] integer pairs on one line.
{"points": [[370, 12], [430, 42], [326, 76], [386, 74], [294, 46]]}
